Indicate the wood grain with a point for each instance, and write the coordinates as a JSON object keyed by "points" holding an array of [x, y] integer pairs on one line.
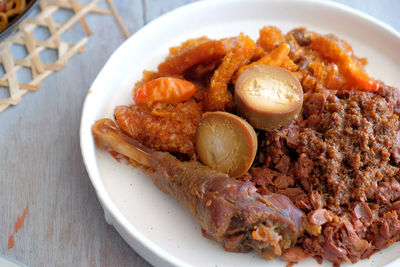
{"points": [[40, 162]]}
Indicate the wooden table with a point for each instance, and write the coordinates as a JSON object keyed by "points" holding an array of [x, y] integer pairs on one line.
{"points": [[41, 167]]}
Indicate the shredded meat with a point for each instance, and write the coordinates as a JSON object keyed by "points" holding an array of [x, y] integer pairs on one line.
{"points": [[351, 150], [345, 172]]}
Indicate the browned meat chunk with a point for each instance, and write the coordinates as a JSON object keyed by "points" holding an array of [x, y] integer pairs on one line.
{"points": [[313, 104], [295, 254], [302, 36], [362, 212], [320, 216]]}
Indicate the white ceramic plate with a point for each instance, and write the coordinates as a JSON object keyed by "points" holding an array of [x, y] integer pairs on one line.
{"points": [[153, 223]]}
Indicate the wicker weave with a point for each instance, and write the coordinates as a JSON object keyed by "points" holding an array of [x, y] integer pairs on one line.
{"points": [[25, 37]]}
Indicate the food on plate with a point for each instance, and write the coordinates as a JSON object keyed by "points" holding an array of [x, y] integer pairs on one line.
{"points": [[276, 57], [162, 126], [229, 211], [325, 179], [218, 96], [193, 52], [9, 9], [165, 90], [226, 143], [329, 47], [268, 96]]}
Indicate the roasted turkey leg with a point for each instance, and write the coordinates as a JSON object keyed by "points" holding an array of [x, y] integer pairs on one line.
{"points": [[228, 210]]}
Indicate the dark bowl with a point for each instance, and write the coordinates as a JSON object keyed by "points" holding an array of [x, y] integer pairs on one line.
{"points": [[18, 19]]}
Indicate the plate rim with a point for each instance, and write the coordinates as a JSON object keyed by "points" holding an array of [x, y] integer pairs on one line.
{"points": [[107, 204]]}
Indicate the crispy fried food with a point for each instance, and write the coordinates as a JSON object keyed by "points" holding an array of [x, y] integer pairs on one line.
{"points": [[289, 64], [187, 45], [164, 127], [270, 38], [199, 71], [218, 95], [349, 68], [259, 53], [184, 58], [277, 57]]}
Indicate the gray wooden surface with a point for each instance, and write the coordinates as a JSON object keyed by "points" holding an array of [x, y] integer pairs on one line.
{"points": [[40, 161]]}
